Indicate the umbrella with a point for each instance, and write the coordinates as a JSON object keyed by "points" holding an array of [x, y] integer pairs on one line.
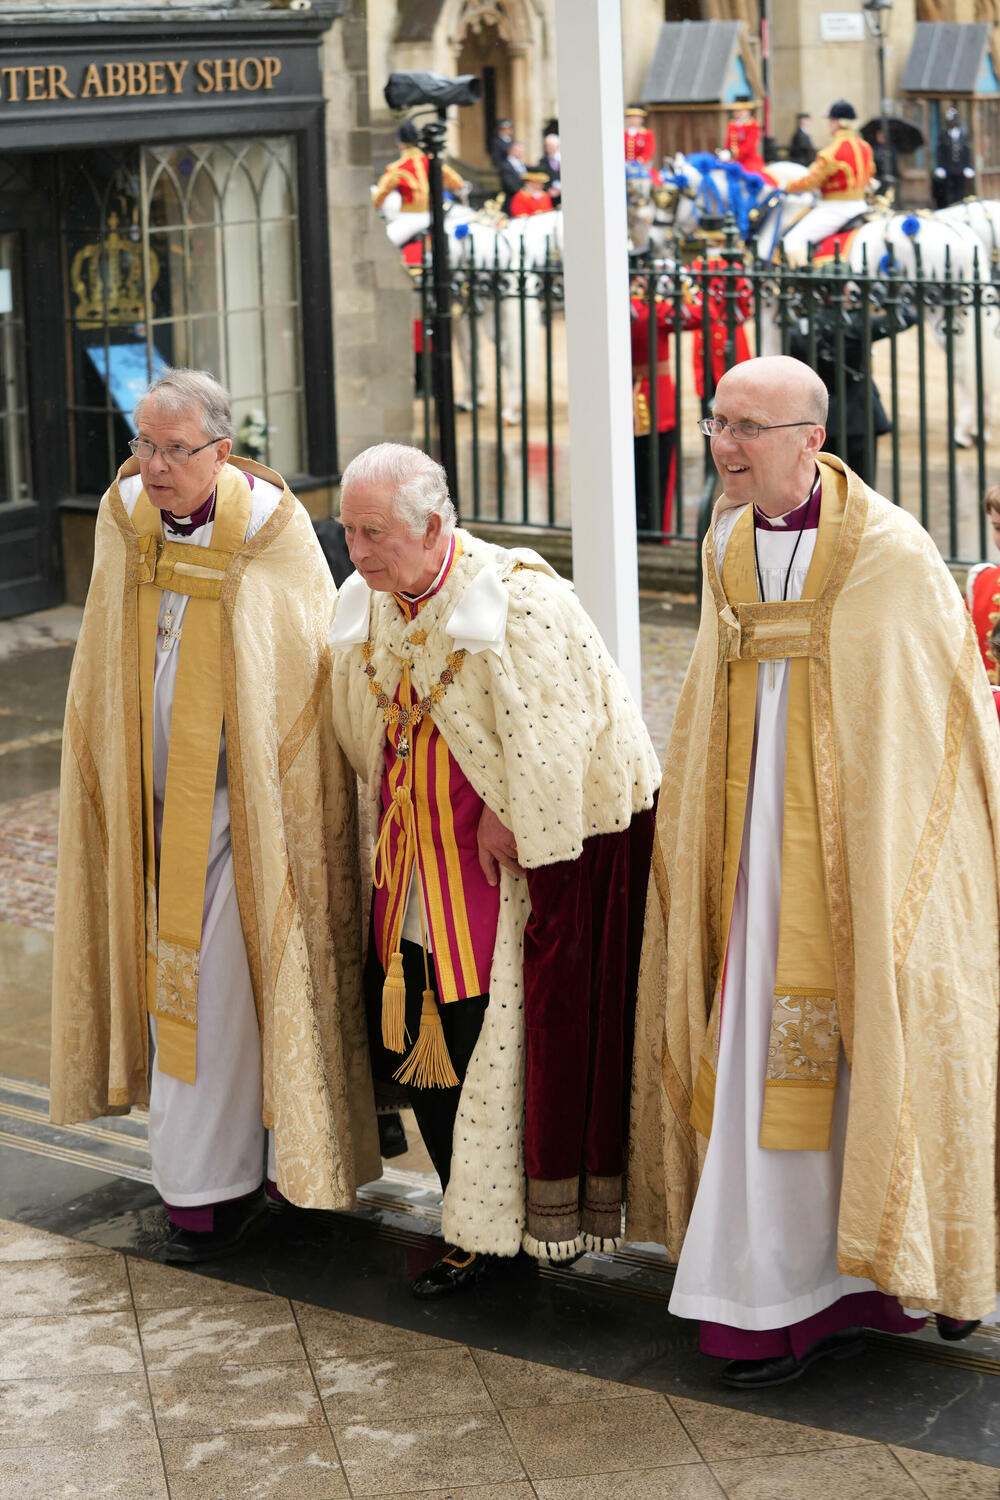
{"points": [[903, 136]]}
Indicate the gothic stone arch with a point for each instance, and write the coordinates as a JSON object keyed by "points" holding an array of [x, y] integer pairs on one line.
{"points": [[497, 35]]}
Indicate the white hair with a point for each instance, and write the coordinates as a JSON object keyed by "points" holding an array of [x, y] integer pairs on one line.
{"points": [[181, 390], [419, 484]]}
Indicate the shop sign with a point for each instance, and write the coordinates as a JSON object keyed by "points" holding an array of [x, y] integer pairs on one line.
{"points": [[139, 77], [841, 26]]}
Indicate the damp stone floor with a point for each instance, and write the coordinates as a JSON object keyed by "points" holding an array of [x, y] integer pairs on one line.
{"points": [[302, 1369]]}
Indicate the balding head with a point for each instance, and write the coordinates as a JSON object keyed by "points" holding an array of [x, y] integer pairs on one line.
{"points": [[777, 468], [780, 379]]}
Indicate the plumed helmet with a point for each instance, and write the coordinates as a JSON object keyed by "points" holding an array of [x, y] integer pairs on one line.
{"points": [[843, 110]]}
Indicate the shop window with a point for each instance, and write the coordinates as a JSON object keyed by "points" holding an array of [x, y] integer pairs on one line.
{"points": [[183, 255], [15, 456]]}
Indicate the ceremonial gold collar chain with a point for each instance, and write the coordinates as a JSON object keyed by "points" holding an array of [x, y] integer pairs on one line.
{"points": [[410, 716]]}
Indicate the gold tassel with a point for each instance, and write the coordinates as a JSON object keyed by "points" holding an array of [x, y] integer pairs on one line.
{"points": [[429, 1065], [394, 1006]]}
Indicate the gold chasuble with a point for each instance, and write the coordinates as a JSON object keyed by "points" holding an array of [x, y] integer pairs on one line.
{"points": [[252, 656], [175, 901], [889, 930]]}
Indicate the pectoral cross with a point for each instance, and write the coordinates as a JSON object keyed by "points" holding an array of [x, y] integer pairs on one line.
{"points": [[167, 633]]}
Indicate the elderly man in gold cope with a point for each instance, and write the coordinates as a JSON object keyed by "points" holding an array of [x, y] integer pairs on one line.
{"points": [[207, 942], [814, 1093]]}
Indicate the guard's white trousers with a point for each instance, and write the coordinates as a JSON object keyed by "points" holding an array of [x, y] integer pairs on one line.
{"points": [[829, 215]]}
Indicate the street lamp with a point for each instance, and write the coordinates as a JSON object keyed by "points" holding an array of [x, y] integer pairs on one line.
{"points": [[874, 12]]}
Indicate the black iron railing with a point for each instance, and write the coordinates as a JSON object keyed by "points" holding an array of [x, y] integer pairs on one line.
{"points": [[911, 362]]}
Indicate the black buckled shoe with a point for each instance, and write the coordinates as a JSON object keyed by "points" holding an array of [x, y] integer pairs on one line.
{"points": [[391, 1136], [454, 1272], [233, 1222], [751, 1374], [954, 1331]]}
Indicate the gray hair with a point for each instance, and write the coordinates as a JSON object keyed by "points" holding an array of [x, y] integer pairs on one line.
{"points": [[181, 390], [419, 485]]}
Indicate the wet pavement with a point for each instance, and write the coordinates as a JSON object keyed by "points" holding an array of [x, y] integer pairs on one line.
{"points": [[302, 1369]]}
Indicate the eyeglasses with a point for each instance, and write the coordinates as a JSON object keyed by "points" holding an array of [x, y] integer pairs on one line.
{"points": [[743, 431], [176, 455]]}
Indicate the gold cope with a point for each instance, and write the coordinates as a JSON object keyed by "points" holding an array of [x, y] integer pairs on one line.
{"points": [[27, 83]]}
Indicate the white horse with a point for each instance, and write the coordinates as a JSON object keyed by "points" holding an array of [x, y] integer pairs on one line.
{"points": [[982, 217], [641, 210], [649, 205], [495, 256], [930, 247], [926, 249], [956, 244]]}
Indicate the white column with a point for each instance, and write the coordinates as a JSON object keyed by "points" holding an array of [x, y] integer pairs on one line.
{"points": [[602, 477]]}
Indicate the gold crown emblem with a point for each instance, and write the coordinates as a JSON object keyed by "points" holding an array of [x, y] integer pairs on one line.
{"points": [[107, 279]]}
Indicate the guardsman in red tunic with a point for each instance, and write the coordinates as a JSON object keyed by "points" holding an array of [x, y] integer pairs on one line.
{"points": [[407, 176], [840, 174], [413, 260], [982, 595], [640, 143], [653, 512], [718, 322], [531, 198], [743, 142]]}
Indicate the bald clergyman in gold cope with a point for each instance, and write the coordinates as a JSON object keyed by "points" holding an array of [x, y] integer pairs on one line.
{"points": [[814, 1098]]}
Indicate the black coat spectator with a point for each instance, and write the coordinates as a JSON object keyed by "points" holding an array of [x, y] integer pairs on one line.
{"points": [[859, 389], [511, 171], [800, 147], [954, 173], [501, 143], [550, 162]]}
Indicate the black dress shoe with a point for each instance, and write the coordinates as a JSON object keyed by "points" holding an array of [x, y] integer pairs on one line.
{"points": [[954, 1331], [750, 1374], [391, 1136], [454, 1272], [233, 1222]]}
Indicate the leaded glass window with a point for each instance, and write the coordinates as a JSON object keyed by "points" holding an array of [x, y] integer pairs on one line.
{"points": [[183, 255]]}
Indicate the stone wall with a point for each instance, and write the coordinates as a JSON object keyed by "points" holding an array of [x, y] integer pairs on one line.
{"points": [[810, 74], [373, 298]]}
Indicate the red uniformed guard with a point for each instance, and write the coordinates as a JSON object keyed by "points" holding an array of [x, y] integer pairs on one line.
{"points": [[718, 323], [531, 198], [982, 595], [841, 172], [640, 143], [407, 176], [743, 141], [653, 512]]}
